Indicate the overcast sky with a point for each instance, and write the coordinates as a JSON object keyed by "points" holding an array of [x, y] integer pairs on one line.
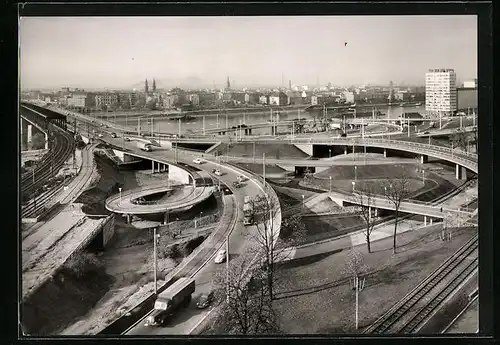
{"points": [[121, 52]]}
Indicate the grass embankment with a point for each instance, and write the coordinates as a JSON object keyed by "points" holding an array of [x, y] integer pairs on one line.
{"points": [[74, 289], [316, 297]]}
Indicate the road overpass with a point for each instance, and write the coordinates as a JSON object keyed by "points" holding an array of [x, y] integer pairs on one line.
{"points": [[180, 197], [409, 206]]}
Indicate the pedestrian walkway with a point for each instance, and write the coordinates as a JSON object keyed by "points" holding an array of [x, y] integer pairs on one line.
{"points": [[354, 239]]}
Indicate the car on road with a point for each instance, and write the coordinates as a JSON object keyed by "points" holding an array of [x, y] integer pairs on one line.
{"points": [[113, 135], [237, 184], [220, 257], [218, 172], [241, 178], [197, 160], [126, 139], [205, 300], [100, 135], [426, 132]]}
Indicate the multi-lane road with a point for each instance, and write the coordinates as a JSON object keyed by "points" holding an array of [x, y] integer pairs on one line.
{"points": [[239, 238]]}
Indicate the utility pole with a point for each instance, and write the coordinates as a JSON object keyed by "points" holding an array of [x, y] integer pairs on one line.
{"points": [[227, 267], [179, 128], [264, 168], [155, 239], [254, 151]]}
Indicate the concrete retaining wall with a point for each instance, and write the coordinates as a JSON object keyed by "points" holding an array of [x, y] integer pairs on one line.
{"points": [[306, 148], [178, 174]]}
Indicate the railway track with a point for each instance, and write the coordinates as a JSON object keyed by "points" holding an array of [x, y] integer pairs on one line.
{"points": [[46, 200], [61, 149], [409, 314]]}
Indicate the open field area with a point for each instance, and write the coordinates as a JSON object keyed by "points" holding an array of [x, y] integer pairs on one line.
{"points": [[315, 296]]}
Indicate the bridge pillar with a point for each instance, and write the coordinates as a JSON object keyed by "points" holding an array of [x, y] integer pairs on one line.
{"points": [[430, 222], [385, 153], [375, 212], [425, 220], [345, 150], [424, 159], [152, 167], [460, 172], [129, 218], [24, 134], [249, 131], [30, 133], [46, 141]]}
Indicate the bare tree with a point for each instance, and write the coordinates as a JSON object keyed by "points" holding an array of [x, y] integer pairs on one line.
{"points": [[355, 268], [397, 190], [269, 246], [459, 139], [364, 196], [248, 307]]}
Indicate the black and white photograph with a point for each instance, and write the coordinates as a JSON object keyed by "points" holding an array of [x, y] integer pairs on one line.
{"points": [[248, 175]]}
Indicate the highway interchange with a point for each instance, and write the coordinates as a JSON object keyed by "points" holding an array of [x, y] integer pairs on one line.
{"points": [[187, 320]]}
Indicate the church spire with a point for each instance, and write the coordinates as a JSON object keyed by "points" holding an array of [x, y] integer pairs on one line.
{"points": [[146, 89], [154, 85], [228, 84]]}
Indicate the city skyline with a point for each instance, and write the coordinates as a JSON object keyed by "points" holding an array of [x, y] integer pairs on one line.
{"points": [[120, 52]]}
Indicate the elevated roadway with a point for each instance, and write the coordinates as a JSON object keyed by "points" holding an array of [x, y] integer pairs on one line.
{"points": [[410, 206], [180, 198]]}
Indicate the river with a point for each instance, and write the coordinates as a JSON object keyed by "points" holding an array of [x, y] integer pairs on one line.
{"points": [[210, 121]]}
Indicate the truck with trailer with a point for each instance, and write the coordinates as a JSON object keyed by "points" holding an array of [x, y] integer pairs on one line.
{"points": [[144, 146], [172, 299], [248, 211]]}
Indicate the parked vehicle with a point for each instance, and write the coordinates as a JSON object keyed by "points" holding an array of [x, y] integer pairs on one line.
{"points": [[126, 139], [220, 257], [144, 146], [100, 135], [113, 135], [241, 178], [205, 300], [237, 184], [169, 301], [217, 172], [197, 160], [248, 211]]}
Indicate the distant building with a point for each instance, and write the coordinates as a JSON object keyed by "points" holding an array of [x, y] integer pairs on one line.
{"points": [[278, 98], [207, 98], [194, 99], [240, 97], [441, 91], [171, 101], [264, 99], [466, 98], [106, 99], [81, 100], [295, 98], [403, 96], [470, 84], [350, 97]]}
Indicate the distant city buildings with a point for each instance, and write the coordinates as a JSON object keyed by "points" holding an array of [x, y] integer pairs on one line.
{"points": [[466, 97], [441, 91], [470, 84]]}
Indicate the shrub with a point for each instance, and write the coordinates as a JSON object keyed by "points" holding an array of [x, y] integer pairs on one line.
{"points": [[192, 244], [83, 264], [172, 252]]}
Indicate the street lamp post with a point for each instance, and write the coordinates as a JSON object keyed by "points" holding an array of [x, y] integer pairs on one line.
{"points": [[353, 186], [330, 151], [423, 176], [330, 183], [303, 203], [355, 173], [155, 239]]}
